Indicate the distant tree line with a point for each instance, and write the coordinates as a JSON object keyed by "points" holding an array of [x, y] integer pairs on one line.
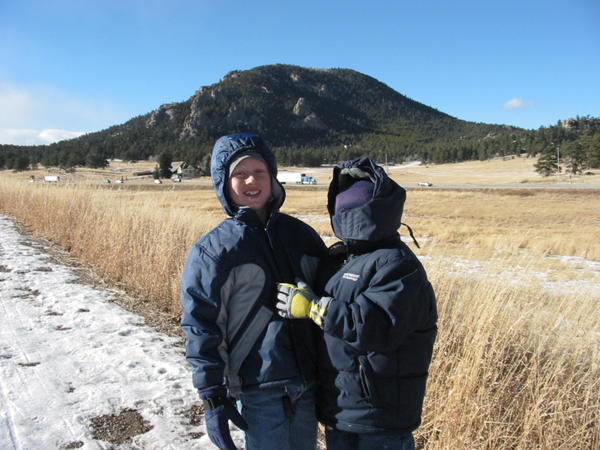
{"points": [[576, 142], [574, 145]]}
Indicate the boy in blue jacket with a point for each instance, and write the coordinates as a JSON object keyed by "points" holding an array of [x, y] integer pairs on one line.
{"points": [[237, 345], [378, 315]]}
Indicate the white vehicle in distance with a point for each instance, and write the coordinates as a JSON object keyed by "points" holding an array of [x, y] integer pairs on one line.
{"points": [[295, 177], [425, 183]]}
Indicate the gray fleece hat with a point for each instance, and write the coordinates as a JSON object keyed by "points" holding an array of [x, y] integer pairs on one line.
{"points": [[242, 156]]}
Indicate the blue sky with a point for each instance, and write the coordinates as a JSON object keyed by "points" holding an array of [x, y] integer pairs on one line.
{"points": [[72, 66]]}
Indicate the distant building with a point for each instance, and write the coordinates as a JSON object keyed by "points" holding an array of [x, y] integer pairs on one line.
{"points": [[184, 170]]}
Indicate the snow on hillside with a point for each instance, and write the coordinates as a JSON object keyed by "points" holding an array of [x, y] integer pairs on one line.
{"points": [[77, 371]]}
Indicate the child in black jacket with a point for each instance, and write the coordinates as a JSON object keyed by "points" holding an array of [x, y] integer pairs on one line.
{"points": [[378, 316]]}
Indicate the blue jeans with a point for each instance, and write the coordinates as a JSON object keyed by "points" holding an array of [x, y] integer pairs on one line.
{"points": [[280, 418], [342, 440]]}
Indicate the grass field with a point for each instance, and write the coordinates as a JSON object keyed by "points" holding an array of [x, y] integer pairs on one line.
{"points": [[497, 171], [516, 271]]}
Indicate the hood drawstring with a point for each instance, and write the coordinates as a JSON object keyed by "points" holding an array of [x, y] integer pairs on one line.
{"points": [[410, 231]]}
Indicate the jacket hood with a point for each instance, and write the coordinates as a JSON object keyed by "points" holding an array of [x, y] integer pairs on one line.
{"points": [[377, 219], [225, 151]]}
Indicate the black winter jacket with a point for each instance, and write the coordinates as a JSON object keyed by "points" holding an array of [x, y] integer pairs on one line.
{"points": [[235, 340], [380, 327]]}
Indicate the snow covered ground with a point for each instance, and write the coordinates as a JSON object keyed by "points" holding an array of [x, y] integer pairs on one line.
{"points": [[75, 368]]}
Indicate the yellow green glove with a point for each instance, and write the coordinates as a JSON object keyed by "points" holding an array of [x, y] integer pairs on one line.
{"points": [[300, 302]]}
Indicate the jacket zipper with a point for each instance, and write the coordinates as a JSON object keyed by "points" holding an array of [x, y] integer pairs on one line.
{"points": [[363, 381]]}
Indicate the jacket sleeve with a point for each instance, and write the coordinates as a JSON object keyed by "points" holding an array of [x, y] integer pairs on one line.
{"points": [[398, 300], [201, 307]]}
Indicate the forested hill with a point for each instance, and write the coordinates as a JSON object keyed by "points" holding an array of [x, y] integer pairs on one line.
{"points": [[310, 116]]}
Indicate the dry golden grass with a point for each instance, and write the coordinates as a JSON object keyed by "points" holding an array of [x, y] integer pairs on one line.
{"points": [[136, 239], [502, 170], [541, 222], [515, 366]]}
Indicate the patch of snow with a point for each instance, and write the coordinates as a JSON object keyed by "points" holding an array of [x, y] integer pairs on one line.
{"points": [[68, 354], [583, 287], [410, 164], [524, 276], [577, 262]]}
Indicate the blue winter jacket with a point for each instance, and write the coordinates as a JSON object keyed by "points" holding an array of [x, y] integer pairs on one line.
{"points": [[380, 326], [234, 337]]}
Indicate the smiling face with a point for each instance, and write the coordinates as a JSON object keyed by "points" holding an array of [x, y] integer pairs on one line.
{"points": [[249, 184]]}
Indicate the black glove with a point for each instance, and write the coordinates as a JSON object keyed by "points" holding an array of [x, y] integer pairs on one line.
{"points": [[218, 411]]}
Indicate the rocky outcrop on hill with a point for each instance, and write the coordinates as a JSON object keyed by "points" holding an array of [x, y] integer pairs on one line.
{"points": [[308, 118], [217, 109], [164, 112], [301, 107]]}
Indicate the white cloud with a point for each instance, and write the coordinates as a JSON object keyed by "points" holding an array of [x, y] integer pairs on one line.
{"points": [[518, 103], [55, 135], [42, 114], [36, 137]]}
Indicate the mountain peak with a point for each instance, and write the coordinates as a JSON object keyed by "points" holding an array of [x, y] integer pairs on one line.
{"points": [[332, 113], [294, 106]]}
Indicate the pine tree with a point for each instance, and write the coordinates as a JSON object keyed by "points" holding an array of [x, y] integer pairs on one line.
{"points": [[164, 163], [575, 156], [21, 163], [95, 161], [547, 163], [591, 147]]}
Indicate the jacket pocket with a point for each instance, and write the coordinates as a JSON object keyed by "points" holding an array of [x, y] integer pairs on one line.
{"points": [[367, 381]]}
